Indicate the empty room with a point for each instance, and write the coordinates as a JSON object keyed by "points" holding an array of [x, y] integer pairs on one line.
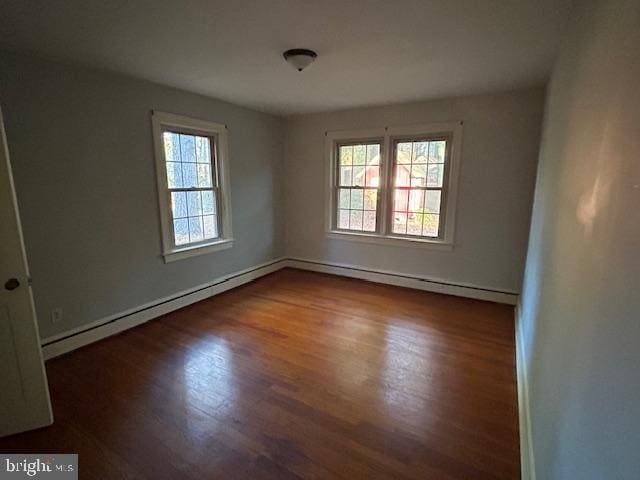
{"points": [[337, 239]]}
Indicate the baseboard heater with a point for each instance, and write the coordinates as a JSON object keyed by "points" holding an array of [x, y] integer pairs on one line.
{"points": [[105, 327]]}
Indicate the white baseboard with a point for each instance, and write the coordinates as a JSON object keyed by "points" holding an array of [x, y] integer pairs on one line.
{"points": [[78, 337], [527, 464], [403, 280], [105, 327]]}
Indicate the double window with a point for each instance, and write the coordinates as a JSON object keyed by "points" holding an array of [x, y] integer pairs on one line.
{"points": [[394, 184], [192, 184]]}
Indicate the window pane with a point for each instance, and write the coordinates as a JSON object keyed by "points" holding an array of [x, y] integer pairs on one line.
{"points": [[403, 152], [181, 231], [370, 199], [358, 176], [373, 154], [401, 200], [369, 222], [435, 175], [203, 150], [188, 148], [432, 201], [419, 175], [418, 165], [355, 222], [174, 175], [193, 204], [204, 175], [344, 198], [399, 222], [179, 204], [210, 226], [343, 219], [195, 229], [191, 180], [346, 155], [420, 152], [359, 166], [189, 175], [359, 154], [357, 199], [416, 200], [402, 175], [208, 203], [372, 174], [345, 176], [171, 146], [431, 224], [437, 151], [414, 224]]}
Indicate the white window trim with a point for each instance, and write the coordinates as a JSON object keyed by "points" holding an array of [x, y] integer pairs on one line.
{"points": [[160, 121], [387, 135]]}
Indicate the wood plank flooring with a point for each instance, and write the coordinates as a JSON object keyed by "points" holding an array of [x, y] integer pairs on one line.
{"points": [[296, 375]]}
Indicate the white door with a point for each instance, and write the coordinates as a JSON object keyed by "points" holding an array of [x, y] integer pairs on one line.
{"points": [[24, 395]]}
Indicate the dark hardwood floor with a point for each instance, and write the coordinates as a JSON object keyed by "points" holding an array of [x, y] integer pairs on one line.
{"points": [[296, 375]]}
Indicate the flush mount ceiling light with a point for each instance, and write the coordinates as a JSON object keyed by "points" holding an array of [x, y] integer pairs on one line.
{"points": [[299, 58]]}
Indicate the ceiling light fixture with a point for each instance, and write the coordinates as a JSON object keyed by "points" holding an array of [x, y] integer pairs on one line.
{"points": [[299, 58]]}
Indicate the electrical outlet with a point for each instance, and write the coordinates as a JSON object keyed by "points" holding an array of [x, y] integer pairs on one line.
{"points": [[56, 315]]}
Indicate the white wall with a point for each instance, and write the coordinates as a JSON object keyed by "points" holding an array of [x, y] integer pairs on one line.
{"points": [[580, 311], [81, 148], [499, 152]]}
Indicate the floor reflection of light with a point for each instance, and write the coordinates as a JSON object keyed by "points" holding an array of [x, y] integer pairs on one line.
{"points": [[408, 380], [210, 390], [353, 371]]}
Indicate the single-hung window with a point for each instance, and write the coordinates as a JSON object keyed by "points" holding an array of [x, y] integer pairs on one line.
{"points": [[419, 187], [358, 186], [394, 185], [192, 185]]}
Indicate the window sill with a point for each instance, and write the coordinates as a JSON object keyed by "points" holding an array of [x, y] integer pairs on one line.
{"points": [[179, 254], [391, 240]]}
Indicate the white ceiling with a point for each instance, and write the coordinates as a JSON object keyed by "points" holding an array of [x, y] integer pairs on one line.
{"points": [[369, 51]]}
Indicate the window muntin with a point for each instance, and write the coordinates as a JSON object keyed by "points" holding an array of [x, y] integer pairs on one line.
{"points": [[192, 183], [420, 166], [416, 190], [358, 168]]}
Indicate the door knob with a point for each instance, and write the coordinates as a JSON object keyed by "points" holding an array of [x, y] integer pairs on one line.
{"points": [[11, 284]]}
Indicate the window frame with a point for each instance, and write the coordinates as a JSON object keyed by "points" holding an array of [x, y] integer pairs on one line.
{"points": [[218, 135], [334, 140], [336, 183], [448, 138], [389, 136]]}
